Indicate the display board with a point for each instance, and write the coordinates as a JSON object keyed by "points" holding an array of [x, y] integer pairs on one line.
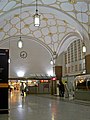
{"points": [[4, 55]]}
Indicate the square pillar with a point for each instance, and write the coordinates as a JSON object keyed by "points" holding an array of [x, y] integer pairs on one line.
{"points": [[58, 72], [87, 64]]}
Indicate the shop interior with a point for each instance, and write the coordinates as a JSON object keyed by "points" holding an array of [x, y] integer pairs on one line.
{"points": [[34, 86]]}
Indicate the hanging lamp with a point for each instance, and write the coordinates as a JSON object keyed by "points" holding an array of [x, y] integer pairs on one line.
{"points": [[51, 62], [36, 17], [83, 44], [9, 59], [84, 48], [20, 42]]}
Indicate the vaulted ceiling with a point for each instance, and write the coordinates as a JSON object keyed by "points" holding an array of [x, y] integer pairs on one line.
{"points": [[61, 22]]}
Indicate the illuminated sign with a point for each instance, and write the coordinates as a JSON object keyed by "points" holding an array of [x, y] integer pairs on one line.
{"points": [[43, 81], [53, 78]]}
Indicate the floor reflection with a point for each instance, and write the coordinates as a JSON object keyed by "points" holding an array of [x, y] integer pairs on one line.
{"points": [[4, 117], [41, 107]]}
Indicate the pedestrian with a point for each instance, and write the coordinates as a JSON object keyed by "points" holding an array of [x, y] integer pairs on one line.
{"points": [[22, 89], [26, 88], [61, 89], [66, 90]]}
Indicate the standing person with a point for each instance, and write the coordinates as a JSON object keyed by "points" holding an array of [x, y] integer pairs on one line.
{"points": [[22, 89], [61, 89], [26, 88], [66, 90]]}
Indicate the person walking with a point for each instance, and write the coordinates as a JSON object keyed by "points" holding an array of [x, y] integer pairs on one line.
{"points": [[22, 89], [61, 89], [66, 90], [26, 88]]}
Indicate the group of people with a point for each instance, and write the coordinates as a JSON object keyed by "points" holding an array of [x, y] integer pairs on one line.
{"points": [[63, 89]]}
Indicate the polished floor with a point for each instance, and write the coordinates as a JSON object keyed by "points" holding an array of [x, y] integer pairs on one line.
{"points": [[45, 107]]}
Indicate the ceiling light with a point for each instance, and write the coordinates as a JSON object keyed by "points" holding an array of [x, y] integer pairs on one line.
{"points": [[84, 48], [51, 62], [20, 73], [9, 59], [36, 17], [83, 45], [20, 43]]}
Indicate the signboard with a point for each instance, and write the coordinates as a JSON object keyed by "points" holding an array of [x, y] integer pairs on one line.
{"points": [[4, 55]]}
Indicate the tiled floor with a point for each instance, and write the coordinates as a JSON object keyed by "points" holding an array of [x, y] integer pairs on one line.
{"points": [[45, 107]]}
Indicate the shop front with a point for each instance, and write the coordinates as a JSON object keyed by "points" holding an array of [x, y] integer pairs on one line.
{"points": [[34, 86]]}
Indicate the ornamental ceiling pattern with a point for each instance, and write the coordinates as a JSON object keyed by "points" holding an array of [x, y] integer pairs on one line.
{"points": [[52, 29], [58, 19], [72, 9]]}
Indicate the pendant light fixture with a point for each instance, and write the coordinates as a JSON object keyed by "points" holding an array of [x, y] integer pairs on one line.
{"points": [[36, 17], [83, 44], [54, 54], [9, 60], [51, 62], [84, 48], [20, 42], [53, 59]]}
